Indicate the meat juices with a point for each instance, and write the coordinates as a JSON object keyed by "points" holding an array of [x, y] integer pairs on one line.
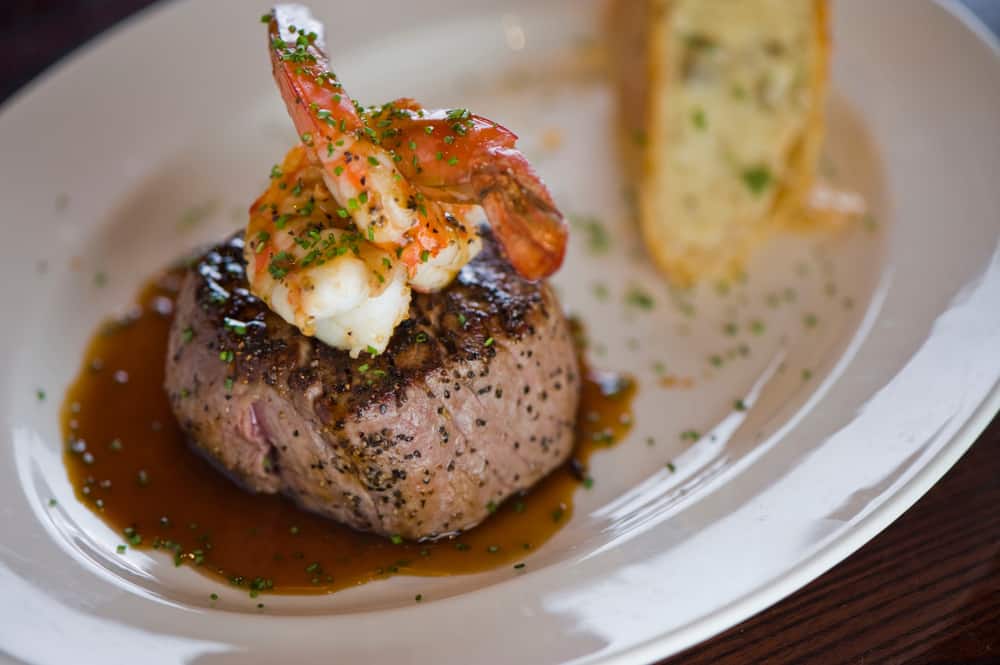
{"points": [[473, 401]]}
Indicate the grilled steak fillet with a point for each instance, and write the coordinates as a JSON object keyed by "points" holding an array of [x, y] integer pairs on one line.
{"points": [[473, 400]]}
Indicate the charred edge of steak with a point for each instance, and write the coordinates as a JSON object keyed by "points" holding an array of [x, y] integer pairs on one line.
{"points": [[487, 302]]}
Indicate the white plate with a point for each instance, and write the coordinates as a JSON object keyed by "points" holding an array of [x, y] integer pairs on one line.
{"points": [[172, 118]]}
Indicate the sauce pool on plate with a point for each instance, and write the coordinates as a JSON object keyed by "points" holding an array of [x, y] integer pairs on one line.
{"points": [[129, 462]]}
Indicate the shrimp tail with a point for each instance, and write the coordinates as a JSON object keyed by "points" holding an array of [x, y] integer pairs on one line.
{"points": [[522, 214]]}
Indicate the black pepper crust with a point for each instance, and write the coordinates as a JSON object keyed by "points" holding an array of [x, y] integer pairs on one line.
{"points": [[486, 303], [473, 400]]}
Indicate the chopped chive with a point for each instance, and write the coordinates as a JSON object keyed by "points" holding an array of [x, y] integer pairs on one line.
{"points": [[757, 179], [639, 298], [698, 119], [598, 239]]}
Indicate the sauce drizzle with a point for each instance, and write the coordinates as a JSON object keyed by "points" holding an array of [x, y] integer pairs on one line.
{"points": [[128, 462]]}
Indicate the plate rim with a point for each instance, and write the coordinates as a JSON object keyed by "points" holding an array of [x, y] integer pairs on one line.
{"points": [[824, 559]]}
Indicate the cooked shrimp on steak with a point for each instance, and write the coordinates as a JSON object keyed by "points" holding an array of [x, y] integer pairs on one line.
{"points": [[376, 201], [368, 240]]}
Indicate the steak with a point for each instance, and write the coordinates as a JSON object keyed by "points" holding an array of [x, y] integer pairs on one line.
{"points": [[474, 399]]}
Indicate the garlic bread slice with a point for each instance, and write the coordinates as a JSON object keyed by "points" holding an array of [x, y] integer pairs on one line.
{"points": [[733, 125]]}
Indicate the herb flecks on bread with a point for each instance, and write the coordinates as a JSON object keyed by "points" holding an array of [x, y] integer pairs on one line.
{"points": [[727, 120]]}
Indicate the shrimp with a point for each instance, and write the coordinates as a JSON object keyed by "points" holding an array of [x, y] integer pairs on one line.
{"points": [[433, 243], [375, 202], [315, 271], [458, 157], [412, 161]]}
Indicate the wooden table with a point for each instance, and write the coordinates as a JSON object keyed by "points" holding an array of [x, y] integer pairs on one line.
{"points": [[927, 590]]}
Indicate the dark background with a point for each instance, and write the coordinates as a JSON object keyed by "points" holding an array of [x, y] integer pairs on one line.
{"points": [[36, 33], [927, 590]]}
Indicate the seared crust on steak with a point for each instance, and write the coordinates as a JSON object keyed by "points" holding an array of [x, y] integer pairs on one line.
{"points": [[474, 399]]}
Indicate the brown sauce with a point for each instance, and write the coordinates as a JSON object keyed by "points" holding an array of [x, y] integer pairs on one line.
{"points": [[128, 461]]}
